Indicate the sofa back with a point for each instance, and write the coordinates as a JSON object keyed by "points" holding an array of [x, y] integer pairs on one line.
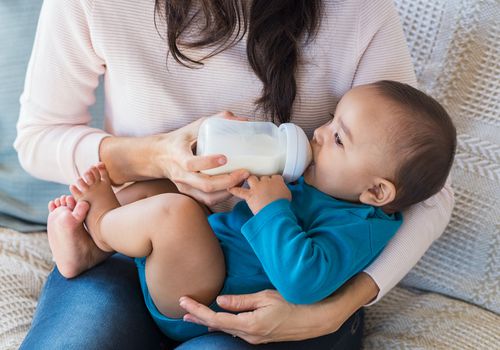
{"points": [[455, 46], [23, 199]]}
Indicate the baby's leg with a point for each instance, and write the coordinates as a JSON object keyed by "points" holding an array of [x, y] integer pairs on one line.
{"points": [[144, 189], [183, 254], [74, 251]]}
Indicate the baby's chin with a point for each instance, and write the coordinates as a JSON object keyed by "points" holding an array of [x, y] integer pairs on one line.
{"points": [[309, 175]]}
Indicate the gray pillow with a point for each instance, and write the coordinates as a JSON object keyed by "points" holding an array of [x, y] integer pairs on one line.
{"points": [[455, 47], [23, 199]]}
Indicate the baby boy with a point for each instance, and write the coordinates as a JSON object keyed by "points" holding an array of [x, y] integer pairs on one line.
{"points": [[387, 147]]}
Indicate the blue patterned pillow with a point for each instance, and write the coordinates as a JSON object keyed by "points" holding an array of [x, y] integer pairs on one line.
{"points": [[23, 199]]}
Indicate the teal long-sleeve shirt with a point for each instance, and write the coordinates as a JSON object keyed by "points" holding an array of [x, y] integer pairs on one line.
{"points": [[312, 245]]}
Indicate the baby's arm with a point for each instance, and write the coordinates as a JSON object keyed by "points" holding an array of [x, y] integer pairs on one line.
{"points": [[306, 267]]}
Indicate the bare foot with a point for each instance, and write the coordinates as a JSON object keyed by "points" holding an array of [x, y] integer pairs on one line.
{"points": [[73, 249], [96, 190]]}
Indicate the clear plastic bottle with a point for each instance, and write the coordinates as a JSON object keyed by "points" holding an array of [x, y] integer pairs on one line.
{"points": [[260, 147]]}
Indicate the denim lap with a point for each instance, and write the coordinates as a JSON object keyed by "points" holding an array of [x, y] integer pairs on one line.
{"points": [[101, 309], [104, 309]]}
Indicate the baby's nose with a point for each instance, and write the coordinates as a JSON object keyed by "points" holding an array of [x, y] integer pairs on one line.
{"points": [[316, 137]]}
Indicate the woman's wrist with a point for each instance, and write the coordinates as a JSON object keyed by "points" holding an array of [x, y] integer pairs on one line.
{"points": [[336, 309], [132, 158]]}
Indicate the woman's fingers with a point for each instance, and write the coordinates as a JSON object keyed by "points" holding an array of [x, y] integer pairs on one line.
{"points": [[199, 163], [205, 316], [183, 168], [242, 302], [226, 114], [208, 199], [214, 183], [266, 317]]}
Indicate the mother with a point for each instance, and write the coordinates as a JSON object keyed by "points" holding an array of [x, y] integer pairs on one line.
{"points": [[165, 65]]}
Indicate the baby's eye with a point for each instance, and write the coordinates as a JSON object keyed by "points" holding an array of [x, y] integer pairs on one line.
{"points": [[338, 140]]}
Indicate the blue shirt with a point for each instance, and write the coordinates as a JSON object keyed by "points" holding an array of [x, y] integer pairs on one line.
{"points": [[308, 247]]}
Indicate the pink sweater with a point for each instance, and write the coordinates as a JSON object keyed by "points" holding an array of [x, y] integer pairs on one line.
{"points": [[360, 41]]}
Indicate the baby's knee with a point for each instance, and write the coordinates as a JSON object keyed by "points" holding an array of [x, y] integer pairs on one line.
{"points": [[180, 220], [177, 204]]}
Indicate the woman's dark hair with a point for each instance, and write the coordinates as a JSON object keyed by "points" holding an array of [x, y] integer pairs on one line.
{"points": [[277, 29], [423, 141]]}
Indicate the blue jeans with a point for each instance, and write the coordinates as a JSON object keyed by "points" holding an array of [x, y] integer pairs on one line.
{"points": [[104, 309]]}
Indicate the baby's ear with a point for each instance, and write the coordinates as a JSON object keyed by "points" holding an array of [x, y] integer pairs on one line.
{"points": [[381, 193]]}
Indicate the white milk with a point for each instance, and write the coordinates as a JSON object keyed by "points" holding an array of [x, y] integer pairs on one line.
{"points": [[260, 147], [260, 154]]}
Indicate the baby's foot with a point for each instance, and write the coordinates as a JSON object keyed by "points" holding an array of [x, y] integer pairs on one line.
{"points": [[73, 249], [96, 190]]}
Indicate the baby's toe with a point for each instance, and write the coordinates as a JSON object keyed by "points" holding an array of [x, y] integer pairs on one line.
{"points": [[89, 177], [75, 191], [103, 172], [62, 199], [95, 173], [57, 202], [82, 185], [51, 206], [71, 202]]}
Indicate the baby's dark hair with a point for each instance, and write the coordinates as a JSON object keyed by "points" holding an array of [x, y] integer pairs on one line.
{"points": [[424, 141]]}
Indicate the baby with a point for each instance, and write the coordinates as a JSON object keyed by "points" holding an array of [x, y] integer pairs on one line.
{"points": [[387, 147]]}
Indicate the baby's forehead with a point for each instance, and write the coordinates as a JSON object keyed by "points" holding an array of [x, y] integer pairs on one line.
{"points": [[365, 105], [363, 92]]}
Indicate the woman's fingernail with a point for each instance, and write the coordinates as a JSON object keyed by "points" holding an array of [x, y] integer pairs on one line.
{"points": [[221, 299], [222, 160], [187, 318]]}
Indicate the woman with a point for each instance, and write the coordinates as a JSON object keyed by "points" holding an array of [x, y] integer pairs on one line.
{"points": [[166, 64]]}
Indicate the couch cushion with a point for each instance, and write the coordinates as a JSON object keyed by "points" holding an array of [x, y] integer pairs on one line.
{"points": [[455, 46], [26, 261], [23, 199], [406, 319], [402, 320]]}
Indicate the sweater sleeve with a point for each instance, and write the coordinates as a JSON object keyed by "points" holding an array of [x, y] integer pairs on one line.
{"points": [[306, 267], [54, 140], [383, 54], [423, 223], [382, 50]]}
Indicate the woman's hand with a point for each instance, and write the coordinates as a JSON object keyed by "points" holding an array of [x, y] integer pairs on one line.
{"points": [[183, 168], [265, 317], [170, 155]]}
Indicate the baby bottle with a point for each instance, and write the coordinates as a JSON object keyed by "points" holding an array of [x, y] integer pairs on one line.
{"points": [[262, 148]]}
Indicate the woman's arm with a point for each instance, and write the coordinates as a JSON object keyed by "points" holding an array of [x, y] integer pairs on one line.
{"points": [[55, 141], [384, 54], [423, 223], [170, 156], [266, 317]]}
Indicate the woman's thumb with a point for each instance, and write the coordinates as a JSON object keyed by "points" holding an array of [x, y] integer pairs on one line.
{"points": [[243, 302]]}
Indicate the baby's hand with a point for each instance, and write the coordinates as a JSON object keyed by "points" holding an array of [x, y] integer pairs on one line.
{"points": [[262, 191]]}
